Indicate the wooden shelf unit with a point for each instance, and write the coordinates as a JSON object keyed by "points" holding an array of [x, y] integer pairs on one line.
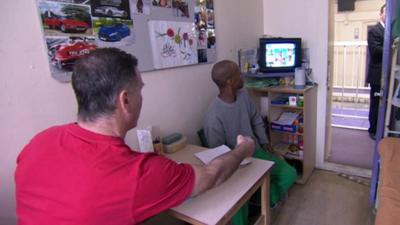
{"points": [[309, 111]]}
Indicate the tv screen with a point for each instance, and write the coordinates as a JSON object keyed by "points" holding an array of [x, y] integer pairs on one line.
{"points": [[280, 54]]}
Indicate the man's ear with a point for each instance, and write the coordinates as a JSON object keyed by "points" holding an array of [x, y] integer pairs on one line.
{"points": [[229, 82], [123, 100]]}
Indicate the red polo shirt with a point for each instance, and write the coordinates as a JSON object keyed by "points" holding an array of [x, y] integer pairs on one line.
{"points": [[68, 175]]}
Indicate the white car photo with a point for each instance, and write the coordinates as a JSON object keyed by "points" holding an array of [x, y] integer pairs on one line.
{"points": [[110, 11]]}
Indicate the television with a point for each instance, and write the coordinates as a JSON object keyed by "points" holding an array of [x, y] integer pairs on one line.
{"points": [[279, 55]]}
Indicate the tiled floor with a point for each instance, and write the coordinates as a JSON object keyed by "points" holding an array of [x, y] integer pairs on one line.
{"points": [[351, 147]]}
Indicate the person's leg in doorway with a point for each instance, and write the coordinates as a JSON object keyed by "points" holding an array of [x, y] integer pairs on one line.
{"points": [[373, 109]]}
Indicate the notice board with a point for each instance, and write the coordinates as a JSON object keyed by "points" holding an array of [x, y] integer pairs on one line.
{"points": [[160, 33]]}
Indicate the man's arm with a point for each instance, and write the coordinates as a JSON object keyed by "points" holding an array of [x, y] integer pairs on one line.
{"points": [[257, 122], [375, 42], [213, 132], [222, 167]]}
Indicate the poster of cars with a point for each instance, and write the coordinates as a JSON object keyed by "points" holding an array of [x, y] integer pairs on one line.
{"points": [[75, 28], [71, 31], [173, 43]]}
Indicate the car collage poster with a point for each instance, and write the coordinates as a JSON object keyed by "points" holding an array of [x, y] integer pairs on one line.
{"points": [[74, 28]]}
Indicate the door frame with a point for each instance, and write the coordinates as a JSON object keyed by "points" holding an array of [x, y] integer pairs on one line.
{"points": [[386, 69], [340, 168]]}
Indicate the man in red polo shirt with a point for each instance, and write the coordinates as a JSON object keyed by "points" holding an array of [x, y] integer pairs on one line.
{"points": [[83, 173]]}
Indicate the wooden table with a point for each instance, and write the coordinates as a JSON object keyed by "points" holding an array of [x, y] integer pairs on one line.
{"points": [[219, 204]]}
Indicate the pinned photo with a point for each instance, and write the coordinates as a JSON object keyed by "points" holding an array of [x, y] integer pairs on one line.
{"points": [[64, 51], [140, 6], [181, 8], [210, 18], [211, 40], [111, 8], [113, 30], [200, 16], [202, 55], [210, 4], [202, 39], [72, 1], [162, 3], [60, 19]]}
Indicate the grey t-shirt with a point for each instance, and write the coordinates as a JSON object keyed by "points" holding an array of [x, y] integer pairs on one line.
{"points": [[224, 121]]}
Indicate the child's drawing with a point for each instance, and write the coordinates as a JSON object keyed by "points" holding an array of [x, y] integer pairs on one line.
{"points": [[173, 43]]}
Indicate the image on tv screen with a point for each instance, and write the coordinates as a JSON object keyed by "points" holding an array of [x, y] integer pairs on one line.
{"points": [[280, 55]]}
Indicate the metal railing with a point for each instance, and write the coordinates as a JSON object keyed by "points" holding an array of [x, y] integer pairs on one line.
{"points": [[350, 89]]}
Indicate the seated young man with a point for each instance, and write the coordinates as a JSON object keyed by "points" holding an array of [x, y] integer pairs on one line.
{"points": [[232, 112]]}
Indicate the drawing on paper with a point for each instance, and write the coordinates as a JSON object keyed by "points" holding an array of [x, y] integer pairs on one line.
{"points": [[173, 43]]}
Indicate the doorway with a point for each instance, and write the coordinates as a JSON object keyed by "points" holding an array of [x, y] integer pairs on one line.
{"points": [[348, 144]]}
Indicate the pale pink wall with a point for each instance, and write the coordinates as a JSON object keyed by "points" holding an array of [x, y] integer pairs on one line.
{"points": [[174, 100]]}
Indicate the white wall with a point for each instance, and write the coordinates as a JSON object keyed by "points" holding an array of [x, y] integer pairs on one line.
{"points": [[307, 19], [347, 23], [174, 99]]}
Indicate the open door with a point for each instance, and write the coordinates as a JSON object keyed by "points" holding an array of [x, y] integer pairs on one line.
{"points": [[391, 5], [331, 39]]}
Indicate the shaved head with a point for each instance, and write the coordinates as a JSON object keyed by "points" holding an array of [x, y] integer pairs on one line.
{"points": [[223, 71]]}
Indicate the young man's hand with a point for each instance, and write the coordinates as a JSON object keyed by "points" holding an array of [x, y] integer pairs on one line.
{"points": [[268, 148], [247, 143]]}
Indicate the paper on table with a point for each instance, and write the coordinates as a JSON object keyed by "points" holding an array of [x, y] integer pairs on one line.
{"points": [[208, 155]]}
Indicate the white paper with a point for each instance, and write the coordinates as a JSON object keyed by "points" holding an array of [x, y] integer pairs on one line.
{"points": [[286, 118], [208, 155], [145, 140]]}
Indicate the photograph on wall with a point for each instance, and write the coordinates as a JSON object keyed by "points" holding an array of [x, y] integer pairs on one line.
{"points": [[180, 8], [113, 32], [111, 8], [62, 19], [202, 39], [211, 38], [209, 4], [200, 16], [140, 6], [162, 3], [63, 53], [202, 55], [72, 1], [173, 43], [210, 18]]}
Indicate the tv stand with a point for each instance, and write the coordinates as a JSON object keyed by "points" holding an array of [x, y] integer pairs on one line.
{"points": [[268, 75]]}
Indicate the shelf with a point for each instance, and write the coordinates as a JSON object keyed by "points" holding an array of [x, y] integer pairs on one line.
{"points": [[293, 157], [285, 132], [267, 75], [304, 163], [287, 106], [284, 89]]}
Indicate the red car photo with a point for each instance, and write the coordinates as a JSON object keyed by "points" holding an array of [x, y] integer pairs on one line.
{"points": [[64, 55], [65, 23]]}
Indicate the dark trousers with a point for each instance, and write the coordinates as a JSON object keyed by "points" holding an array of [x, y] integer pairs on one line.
{"points": [[373, 108]]}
